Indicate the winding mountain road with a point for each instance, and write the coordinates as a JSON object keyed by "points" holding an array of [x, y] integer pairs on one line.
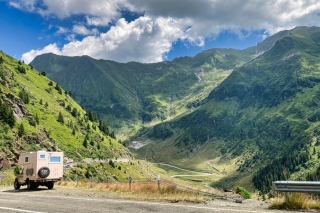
{"points": [[200, 173]]}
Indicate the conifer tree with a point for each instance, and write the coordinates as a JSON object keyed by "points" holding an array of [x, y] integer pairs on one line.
{"points": [[74, 112], [85, 143], [24, 96], [21, 130], [21, 69], [37, 119], [6, 114], [60, 118]]}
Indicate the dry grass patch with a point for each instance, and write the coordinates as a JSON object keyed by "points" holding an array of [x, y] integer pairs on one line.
{"points": [[141, 191], [296, 201]]}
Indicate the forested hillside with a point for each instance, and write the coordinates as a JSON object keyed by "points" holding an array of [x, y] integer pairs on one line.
{"points": [[265, 113], [36, 113], [133, 95]]}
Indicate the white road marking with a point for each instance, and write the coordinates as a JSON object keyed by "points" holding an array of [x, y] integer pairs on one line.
{"points": [[147, 203], [18, 210]]}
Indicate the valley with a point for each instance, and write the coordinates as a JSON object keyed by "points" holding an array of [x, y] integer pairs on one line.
{"points": [[244, 117]]}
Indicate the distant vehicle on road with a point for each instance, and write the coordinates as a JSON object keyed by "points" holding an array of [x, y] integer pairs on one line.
{"points": [[68, 166], [39, 168]]}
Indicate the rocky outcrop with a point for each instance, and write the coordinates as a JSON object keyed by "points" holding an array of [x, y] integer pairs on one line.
{"points": [[199, 73], [16, 104]]}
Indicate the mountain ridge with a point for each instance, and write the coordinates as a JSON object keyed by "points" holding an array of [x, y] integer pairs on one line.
{"points": [[232, 110], [142, 93]]}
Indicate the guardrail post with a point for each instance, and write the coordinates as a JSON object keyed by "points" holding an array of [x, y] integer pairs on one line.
{"points": [[158, 182], [91, 182], [107, 180], [77, 179], [130, 180], [287, 198]]}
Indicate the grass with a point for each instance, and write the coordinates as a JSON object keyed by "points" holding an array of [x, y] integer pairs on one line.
{"points": [[141, 191], [296, 201]]}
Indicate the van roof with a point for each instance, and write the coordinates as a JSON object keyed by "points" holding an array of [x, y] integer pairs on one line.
{"points": [[41, 151]]}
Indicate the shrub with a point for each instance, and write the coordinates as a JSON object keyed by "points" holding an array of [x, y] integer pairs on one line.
{"points": [[24, 96], [243, 192], [21, 130], [21, 69], [17, 170]]}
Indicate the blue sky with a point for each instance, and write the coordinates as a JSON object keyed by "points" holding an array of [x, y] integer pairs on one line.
{"points": [[144, 31]]}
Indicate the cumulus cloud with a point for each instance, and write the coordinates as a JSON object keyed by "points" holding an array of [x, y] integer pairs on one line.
{"points": [[212, 16], [51, 48], [97, 12], [82, 30], [150, 37], [145, 40]]}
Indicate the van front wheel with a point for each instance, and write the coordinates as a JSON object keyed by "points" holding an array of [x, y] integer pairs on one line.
{"points": [[16, 184]]}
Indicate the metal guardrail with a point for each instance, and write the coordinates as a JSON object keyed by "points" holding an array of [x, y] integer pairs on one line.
{"points": [[296, 186]]}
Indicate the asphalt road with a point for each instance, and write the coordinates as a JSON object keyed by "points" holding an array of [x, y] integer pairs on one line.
{"points": [[51, 201]]}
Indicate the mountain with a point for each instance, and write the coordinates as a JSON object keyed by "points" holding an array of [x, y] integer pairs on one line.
{"points": [[36, 113], [260, 124], [132, 95], [250, 116]]}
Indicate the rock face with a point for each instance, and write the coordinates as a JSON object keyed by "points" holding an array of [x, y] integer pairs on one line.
{"points": [[199, 73], [16, 105], [18, 109], [4, 162]]}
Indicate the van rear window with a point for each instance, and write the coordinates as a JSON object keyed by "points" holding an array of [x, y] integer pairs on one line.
{"points": [[55, 159]]}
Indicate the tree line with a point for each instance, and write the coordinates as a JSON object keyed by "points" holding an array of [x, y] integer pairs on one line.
{"points": [[279, 169]]}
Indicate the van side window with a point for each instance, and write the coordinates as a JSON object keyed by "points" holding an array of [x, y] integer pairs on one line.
{"points": [[26, 159], [42, 156], [55, 159]]}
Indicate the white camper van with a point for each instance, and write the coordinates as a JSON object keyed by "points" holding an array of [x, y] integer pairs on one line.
{"points": [[39, 168]]}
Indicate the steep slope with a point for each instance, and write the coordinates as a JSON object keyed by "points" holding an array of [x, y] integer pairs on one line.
{"points": [[36, 113], [133, 94], [265, 112]]}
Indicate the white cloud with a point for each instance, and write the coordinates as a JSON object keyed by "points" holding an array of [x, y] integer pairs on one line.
{"points": [[82, 30], [51, 48], [144, 40], [98, 12], [150, 37], [62, 30]]}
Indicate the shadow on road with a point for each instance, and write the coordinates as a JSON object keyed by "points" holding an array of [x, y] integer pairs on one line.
{"points": [[25, 190]]}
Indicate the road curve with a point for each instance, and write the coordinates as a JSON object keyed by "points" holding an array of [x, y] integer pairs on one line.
{"points": [[187, 170]]}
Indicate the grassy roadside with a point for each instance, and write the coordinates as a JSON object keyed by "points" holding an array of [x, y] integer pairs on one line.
{"points": [[140, 191], [296, 201]]}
